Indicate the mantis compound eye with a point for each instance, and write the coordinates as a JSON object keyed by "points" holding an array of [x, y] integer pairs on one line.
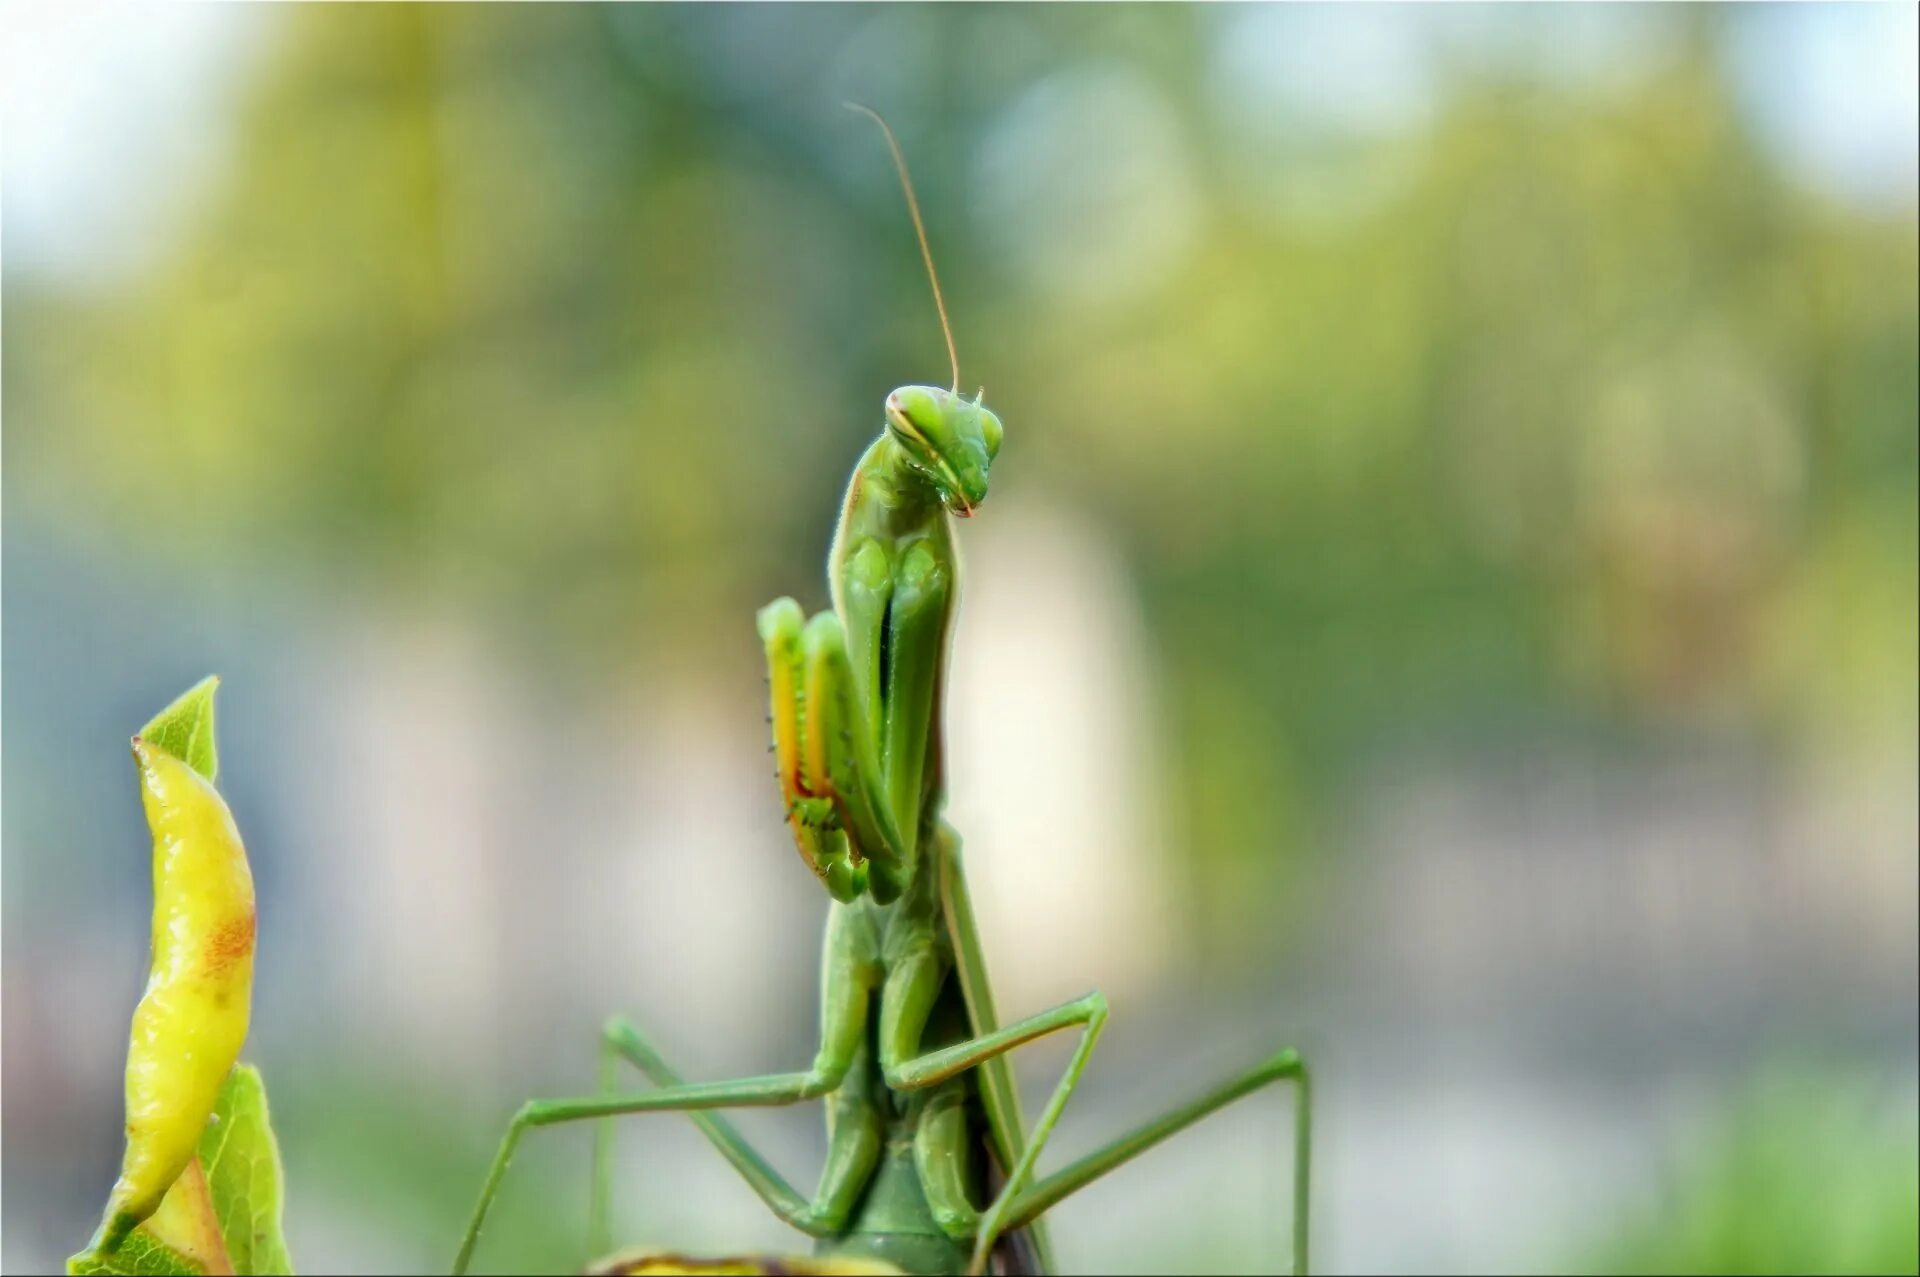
{"points": [[990, 431], [916, 414]]}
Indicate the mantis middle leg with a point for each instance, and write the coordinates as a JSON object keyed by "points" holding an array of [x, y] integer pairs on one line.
{"points": [[852, 971], [853, 1149]]}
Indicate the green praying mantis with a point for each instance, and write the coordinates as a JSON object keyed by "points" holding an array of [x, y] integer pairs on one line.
{"points": [[930, 1166]]}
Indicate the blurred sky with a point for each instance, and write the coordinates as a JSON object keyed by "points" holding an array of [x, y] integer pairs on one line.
{"points": [[1448, 598]]}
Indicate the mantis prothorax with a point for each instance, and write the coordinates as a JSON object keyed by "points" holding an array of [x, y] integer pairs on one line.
{"points": [[930, 1165]]}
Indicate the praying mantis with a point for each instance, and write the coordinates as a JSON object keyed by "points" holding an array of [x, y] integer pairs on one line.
{"points": [[930, 1166]]}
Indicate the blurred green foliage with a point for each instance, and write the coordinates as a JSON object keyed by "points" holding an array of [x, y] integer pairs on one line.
{"points": [[1565, 405], [1561, 405], [1805, 1173], [401, 1164]]}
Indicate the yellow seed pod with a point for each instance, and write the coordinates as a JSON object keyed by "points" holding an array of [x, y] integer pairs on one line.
{"points": [[192, 1020]]}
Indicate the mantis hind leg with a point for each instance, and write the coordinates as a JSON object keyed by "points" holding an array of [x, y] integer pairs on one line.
{"points": [[913, 982], [911, 986], [1029, 1204]]}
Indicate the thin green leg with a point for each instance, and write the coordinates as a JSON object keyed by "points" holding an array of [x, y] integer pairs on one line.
{"points": [[851, 1155], [772, 1089], [913, 983], [1048, 1192], [991, 1225], [600, 1194], [935, 1067], [619, 1040], [851, 970], [938, 1066]]}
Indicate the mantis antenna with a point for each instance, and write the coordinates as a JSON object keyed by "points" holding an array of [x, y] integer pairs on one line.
{"points": [[919, 229]]}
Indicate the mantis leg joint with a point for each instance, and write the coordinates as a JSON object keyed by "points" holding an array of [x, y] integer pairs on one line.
{"points": [[1287, 1063], [1096, 1007]]}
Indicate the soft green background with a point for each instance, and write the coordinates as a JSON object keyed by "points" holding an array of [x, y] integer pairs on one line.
{"points": [[1448, 598]]}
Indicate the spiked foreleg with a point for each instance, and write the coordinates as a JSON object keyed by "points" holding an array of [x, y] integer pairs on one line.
{"points": [[916, 648], [839, 754], [810, 816]]}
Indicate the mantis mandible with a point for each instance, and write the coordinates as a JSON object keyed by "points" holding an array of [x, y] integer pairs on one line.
{"points": [[930, 1165]]}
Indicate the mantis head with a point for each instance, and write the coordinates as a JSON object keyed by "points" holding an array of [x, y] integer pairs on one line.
{"points": [[949, 439]]}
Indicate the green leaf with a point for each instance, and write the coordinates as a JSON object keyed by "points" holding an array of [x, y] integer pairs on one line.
{"points": [[185, 728], [141, 1255], [242, 1162], [223, 1213]]}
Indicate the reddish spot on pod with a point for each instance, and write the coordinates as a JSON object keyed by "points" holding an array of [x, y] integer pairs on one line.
{"points": [[230, 943]]}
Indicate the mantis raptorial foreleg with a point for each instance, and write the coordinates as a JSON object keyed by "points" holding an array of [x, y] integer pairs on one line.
{"points": [[825, 754], [915, 643]]}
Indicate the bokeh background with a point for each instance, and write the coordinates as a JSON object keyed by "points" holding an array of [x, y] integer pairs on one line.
{"points": [[1447, 600]]}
